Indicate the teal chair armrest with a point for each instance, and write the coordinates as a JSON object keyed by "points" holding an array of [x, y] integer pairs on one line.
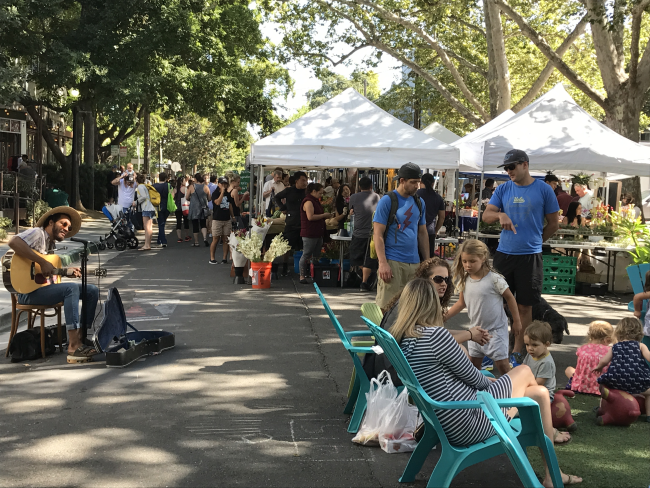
{"points": [[358, 333], [516, 402], [364, 350]]}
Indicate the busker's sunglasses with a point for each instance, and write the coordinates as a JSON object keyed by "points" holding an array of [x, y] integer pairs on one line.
{"points": [[512, 166], [439, 279]]}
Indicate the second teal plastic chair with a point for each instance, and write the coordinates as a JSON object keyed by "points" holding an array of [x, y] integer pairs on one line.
{"points": [[357, 402], [511, 438]]}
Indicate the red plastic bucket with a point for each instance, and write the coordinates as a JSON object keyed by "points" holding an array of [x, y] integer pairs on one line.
{"points": [[261, 275]]}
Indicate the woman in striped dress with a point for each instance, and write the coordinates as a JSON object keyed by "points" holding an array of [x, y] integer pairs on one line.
{"points": [[446, 374]]}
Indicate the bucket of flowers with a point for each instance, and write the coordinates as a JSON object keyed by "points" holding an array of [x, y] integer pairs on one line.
{"points": [[251, 247], [238, 259]]}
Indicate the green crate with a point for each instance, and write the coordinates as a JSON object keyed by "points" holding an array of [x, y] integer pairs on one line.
{"points": [[560, 280], [558, 289], [559, 271], [559, 260]]}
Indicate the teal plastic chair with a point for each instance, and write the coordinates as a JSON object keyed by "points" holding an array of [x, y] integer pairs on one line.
{"points": [[511, 438], [637, 273], [357, 402]]}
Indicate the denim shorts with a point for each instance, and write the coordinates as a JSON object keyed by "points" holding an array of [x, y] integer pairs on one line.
{"points": [[149, 213]]}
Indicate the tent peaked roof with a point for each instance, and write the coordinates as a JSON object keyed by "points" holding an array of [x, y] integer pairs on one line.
{"points": [[351, 131], [440, 132], [557, 133]]}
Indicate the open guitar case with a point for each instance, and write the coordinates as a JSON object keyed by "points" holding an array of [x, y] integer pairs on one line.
{"points": [[121, 346]]}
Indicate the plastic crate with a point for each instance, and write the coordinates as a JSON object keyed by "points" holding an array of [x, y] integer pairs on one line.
{"points": [[559, 260], [559, 280], [559, 271], [558, 289]]}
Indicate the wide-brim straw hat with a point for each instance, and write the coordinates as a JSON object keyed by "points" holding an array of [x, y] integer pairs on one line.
{"points": [[75, 219]]}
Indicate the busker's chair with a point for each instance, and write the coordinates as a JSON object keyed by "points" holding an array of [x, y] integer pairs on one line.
{"points": [[511, 438], [357, 402], [33, 311]]}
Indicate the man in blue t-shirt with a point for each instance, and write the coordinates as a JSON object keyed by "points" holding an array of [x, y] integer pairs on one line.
{"points": [[398, 253], [521, 205]]}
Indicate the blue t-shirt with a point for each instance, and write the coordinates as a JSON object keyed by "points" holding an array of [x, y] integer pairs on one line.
{"points": [[402, 239], [526, 206]]}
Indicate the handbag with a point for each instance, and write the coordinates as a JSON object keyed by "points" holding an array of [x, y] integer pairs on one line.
{"points": [[171, 204], [136, 218]]}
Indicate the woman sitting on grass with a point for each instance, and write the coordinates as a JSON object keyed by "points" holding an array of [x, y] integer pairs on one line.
{"points": [[447, 375]]}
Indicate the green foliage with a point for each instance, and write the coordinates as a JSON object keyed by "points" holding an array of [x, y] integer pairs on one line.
{"points": [[633, 232], [5, 222], [102, 176], [36, 208], [3, 234]]}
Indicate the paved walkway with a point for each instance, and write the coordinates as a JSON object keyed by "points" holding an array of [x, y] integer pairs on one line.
{"points": [[252, 395]]}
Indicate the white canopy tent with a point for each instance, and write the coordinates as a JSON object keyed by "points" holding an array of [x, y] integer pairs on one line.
{"points": [[350, 131], [557, 134], [440, 132]]}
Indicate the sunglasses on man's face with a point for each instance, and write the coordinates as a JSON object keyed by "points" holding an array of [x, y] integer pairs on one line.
{"points": [[437, 279], [512, 166]]}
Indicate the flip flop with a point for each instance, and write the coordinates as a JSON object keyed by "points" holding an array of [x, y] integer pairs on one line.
{"points": [[144, 249], [81, 355]]}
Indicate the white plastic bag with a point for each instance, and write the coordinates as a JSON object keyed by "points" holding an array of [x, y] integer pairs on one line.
{"points": [[397, 426], [381, 398]]}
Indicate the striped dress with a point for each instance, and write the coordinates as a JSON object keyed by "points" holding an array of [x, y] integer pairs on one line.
{"points": [[447, 375]]}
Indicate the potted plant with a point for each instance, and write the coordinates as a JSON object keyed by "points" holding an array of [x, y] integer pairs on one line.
{"points": [[633, 232], [251, 247]]}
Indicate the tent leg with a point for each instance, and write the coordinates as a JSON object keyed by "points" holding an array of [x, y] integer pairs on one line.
{"points": [[478, 220], [457, 197]]}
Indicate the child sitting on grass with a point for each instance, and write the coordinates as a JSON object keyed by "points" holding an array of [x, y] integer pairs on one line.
{"points": [[538, 337], [638, 300], [627, 369], [482, 291], [581, 378]]}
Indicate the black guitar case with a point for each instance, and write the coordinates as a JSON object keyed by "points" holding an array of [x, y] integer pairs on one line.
{"points": [[122, 347]]}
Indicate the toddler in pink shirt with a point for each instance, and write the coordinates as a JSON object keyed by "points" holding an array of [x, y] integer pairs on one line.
{"points": [[582, 379]]}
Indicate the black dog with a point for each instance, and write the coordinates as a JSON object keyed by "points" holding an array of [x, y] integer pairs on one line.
{"points": [[544, 312]]}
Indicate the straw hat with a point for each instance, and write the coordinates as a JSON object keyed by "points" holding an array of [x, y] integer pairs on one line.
{"points": [[75, 219]]}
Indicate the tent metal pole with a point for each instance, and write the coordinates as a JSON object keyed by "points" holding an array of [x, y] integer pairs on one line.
{"points": [[457, 196], [478, 201]]}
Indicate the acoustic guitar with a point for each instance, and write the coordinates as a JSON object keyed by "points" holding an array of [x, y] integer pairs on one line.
{"points": [[20, 275]]}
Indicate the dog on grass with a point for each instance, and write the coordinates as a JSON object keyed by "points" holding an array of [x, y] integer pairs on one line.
{"points": [[544, 312]]}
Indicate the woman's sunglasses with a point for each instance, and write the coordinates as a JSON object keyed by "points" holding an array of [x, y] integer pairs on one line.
{"points": [[437, 279]]}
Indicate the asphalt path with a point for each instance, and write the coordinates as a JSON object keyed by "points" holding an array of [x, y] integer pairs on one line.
{"points": [[252, 395]]}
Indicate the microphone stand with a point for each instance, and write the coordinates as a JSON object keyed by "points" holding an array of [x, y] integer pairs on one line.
{"points": [[83, 256]]}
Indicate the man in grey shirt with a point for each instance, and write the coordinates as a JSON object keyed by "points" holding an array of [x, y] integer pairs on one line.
{"points": [[362, 207]]}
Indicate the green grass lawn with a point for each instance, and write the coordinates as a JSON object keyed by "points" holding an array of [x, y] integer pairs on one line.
{"points": [[606, 456]]}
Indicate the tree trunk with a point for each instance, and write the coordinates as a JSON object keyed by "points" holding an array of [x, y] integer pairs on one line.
{"points": [[498, 73], [49, 139], [623, 114], [89, 152], [77, 134], [147, 140]]}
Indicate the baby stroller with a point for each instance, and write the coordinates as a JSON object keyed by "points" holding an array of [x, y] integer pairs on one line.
{"points": [[121, 234]]}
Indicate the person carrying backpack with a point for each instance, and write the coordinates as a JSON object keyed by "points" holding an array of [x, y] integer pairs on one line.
{"points": [[399, 230]]}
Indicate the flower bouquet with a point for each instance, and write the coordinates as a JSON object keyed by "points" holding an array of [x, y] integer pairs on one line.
{"points": [[238, 258], [250, 246], [279, 247], [260, 227]]}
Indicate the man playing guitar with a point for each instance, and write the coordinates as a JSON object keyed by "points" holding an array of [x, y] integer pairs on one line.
{"points": [[54, 226]]}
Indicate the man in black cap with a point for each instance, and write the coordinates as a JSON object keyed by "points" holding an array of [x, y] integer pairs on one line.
{"points": [[520, 206], [399, 230]]}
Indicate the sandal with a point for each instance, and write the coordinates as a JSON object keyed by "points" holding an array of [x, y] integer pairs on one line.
{"points": [[144, 249], [555, 436], [83, 354], [180, 240], [188, 238]]}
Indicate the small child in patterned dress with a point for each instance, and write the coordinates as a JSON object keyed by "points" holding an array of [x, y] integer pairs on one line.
{"points": [[581, 378], [627, 369]]}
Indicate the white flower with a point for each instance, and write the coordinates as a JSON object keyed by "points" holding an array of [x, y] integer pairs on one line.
{"points": [[279, 246], [251, 247]]}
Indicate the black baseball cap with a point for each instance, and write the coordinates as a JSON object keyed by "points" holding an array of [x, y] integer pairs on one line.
{"points": [[223, 180], [514, 156], [409, 171]]}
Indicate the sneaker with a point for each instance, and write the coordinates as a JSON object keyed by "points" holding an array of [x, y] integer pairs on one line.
{"points": [[516, 359], [207, 244], [213, 261], [306, 281], [164, 245], [487, 364], [224, 261], [188, 239], [180, 240], [364, 287]]}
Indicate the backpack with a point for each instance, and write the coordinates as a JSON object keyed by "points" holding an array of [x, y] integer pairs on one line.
{"points": [[394, 202], [26, 345], [154, 196]]}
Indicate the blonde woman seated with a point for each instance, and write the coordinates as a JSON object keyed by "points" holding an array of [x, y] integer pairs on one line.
{"points": [[447, 375]]}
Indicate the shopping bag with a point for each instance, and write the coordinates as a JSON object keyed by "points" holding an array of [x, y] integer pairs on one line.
{"points": [[185, 206], [397, 426], [380, 399], [136, 220]]}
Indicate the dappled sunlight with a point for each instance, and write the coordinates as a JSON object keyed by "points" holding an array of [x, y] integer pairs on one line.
{"points": [[32, 406]]}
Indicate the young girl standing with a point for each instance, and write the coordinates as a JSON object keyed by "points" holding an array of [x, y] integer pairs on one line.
{"points": [[627, 369], [639, 300], [581, 378], [482, 291]]}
